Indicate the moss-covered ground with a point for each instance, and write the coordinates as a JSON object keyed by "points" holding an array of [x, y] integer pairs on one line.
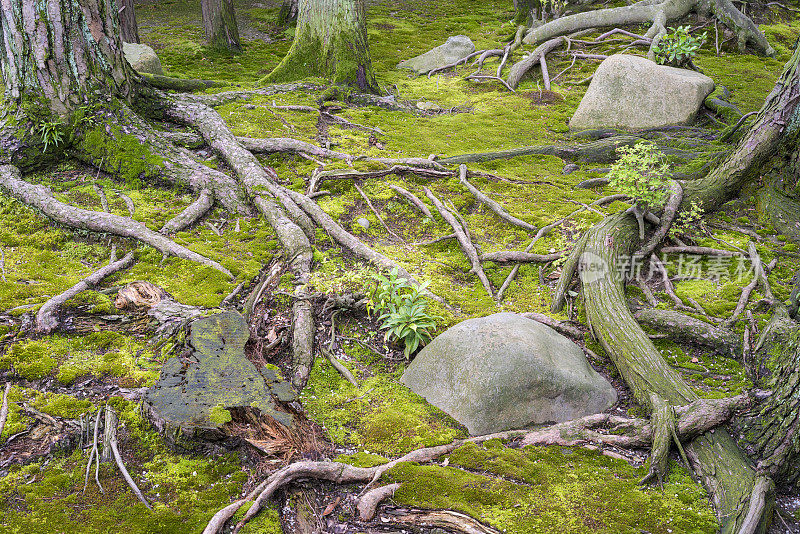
{"points": [[529, 490]]}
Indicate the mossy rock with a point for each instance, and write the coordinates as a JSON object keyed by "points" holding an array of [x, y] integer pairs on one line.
{"points": [[190, 401]]}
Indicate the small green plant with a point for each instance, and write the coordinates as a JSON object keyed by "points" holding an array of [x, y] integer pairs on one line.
{"points": [[403, 311], [687, 221], [50, 133], [678, 47], [640, 173]]}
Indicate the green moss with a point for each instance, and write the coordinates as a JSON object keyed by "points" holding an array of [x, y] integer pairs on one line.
{"points": [[219, 415], [380, 416], [126, 154], [554, 490]]}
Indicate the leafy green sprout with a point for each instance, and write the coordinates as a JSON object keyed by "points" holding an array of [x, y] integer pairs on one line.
{"points": [[641, 173], [678, 47], [403, 311], [687, 221], [50, 133]]}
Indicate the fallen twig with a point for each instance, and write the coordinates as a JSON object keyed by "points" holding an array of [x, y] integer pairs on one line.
{"points": [[94, 454]]}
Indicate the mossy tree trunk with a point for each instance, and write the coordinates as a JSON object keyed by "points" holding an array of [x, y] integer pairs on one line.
{"points": [[288, 12], [219, 22], [527, 11], [127, 22], [61, 51], [741, 491], [330, 41]]}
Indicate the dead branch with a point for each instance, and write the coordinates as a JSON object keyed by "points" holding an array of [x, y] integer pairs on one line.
{"points": [[411, 197], [47, 317], [669, 289], [487, 77], [41, 198], [491, 204], [466, 244], [602, 150], [545, 73], [193, 213], [758, 276]]}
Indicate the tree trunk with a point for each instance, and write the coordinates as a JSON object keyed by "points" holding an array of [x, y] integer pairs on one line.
{"points": [[330, 41], [45, 65], [527, 11], [288, 12], [219, 22], [127, 21]]}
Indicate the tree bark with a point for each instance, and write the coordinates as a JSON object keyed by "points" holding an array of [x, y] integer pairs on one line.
{"points": [[43, 59], [129, 29], [288, 12], [330, 41], [219, 23]]}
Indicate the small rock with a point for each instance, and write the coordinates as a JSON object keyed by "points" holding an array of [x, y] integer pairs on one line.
{"points": [[142, 58], [456, 47], [249, 106], [364, 223], [569, 168], [428, 106]]}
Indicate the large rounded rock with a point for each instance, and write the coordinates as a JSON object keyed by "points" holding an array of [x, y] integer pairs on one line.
{"points": [[457, 47], [632, 92], [504, 372], [142, 58]]}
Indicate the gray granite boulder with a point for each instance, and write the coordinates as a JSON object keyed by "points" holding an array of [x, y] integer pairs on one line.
{"points": [[190, 401], [142, 58], [504, 372], [632, 92], [456, 47]]}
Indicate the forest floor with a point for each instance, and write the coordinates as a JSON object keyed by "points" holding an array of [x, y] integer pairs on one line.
{"points": [[58, 379]]}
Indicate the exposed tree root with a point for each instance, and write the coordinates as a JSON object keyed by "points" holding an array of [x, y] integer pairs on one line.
{"points": [[47, 317], [692, 420], [414, 199], [94, 454], [602, 150], [376, 212], [658, 14], [491, 204], [40, 197], [463, 240], [4, 407], [110, 441], [715, 458], [368, 503], [668, 215], [446, 519], [515, 256], [683, 328], [700, 251], [193, 213], [562, 327]]}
